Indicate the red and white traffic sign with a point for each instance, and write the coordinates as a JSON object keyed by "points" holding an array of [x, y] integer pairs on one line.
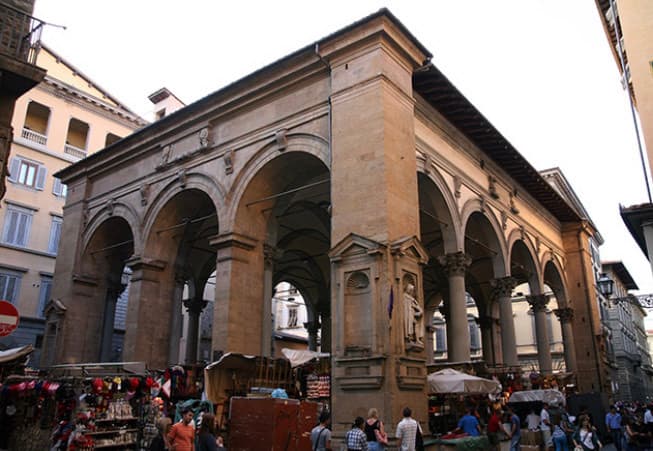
{"points": [[8, 318]]}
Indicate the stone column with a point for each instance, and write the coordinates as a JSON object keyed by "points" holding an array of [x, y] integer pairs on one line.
{"points": [[487, 325], [176, 318], [270, 254], [312, 327], [538, 304], [194, 308], [503, 293], [455, 265], [566, 317], [113, 293]]}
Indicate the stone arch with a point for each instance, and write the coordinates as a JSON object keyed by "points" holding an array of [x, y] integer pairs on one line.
{"points": [[120, 209], [445, 205], [521, 244], [306, 143], [553, 276], [475, 206], [194, 180]]}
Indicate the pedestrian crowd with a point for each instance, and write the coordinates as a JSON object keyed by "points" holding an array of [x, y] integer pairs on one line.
{"points": [[369, 434]]}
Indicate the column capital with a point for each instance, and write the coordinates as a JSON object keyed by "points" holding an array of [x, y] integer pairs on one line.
{"points": [[502, 287], [195, 305], [485, 322], [564, 314], [456, 263], [538, 302], [271, 254]]}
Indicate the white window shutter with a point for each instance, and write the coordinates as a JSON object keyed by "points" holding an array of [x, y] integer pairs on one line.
{"points": [[55, 235], [14, 169], [40, 177], [23, 229], [11, 223], [57, 187]]}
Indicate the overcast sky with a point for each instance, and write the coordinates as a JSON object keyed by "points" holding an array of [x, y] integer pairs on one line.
{"points": [[540, 70]]}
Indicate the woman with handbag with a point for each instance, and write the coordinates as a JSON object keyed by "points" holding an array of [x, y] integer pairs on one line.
{"points": [[374, 431], [586, 438]]}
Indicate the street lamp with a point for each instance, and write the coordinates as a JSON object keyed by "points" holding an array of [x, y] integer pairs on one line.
{"points": [[605, 285], [606, 288]]}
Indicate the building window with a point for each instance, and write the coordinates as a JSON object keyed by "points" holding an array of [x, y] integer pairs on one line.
{"points": [[440, 338], [59, 189], [28, 173], [17, 225], [292, 317], [44, 294], [9, 285], [35, 128], [55, 234], [110, 139], [474, 340], [77, 138]]}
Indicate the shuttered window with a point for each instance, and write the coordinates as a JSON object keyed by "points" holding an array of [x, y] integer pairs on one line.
{"points": [[27, 172], [59, 189], [55, 235], [44, 294], [9, 285], [17, 226]]}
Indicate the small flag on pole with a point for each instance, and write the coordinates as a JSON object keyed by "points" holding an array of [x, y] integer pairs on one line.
{"points": [[391, 303]]}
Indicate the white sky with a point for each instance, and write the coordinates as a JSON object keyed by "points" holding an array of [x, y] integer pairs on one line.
{"points": [[540, 70]]}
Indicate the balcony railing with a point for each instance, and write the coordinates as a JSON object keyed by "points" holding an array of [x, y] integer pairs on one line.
{"points": [[31, 135], [74, 151], [20, 34]]}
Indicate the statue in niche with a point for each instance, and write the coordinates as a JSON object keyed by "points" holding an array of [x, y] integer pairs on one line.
{"points": [[413, 315]]}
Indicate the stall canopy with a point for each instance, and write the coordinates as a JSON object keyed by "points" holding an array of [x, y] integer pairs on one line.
{"points": [[299, 357], [11, 355], [452, 381], [550, 396]]}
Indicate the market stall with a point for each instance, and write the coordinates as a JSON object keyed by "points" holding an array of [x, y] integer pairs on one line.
{"points": [[449, 391]]}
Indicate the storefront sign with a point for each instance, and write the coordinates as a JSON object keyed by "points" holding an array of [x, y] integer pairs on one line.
{"points": [[8, 318]]}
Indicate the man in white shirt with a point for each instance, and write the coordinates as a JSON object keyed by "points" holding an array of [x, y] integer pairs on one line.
{"points": [[648, 416], [407, 431], [545, 426]]}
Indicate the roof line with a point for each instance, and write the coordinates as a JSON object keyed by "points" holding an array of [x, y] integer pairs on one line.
{"points": [[87, 78]]}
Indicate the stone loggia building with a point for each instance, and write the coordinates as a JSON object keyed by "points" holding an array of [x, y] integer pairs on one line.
{"points": [[352, 169]]}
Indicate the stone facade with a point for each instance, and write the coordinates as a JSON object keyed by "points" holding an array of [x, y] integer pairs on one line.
{"points": [[351, 169]]}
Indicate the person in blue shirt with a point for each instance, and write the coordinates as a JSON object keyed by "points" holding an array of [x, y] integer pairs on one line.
{"points": [[613, 424], [515, 430], [469, 424]]}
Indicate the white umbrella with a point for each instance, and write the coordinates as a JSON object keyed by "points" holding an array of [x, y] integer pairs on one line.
{"points": [[452, 381]]}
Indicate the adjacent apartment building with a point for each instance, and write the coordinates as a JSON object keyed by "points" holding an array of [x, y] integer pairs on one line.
{"points": [[62, 120], [628, 347]]}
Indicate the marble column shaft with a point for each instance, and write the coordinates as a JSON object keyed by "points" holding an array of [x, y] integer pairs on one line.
{"points": [[503, 293], [194, 307], [458, 343], [538, 304], [566, 315]]}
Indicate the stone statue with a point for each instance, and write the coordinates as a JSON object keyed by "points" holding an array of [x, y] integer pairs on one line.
{"points": [[413, 315]]}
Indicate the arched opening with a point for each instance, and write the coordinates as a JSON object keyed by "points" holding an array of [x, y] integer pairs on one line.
{"points": [[289, 317], [286, 206], [180, 237], [437, 235], [104, 262], [485, 252]]}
